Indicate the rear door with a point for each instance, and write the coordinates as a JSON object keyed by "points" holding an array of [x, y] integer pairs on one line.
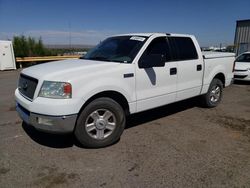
{"points": [[190, 67]]}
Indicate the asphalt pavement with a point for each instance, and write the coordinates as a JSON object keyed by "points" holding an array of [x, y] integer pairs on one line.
{"points": [[178, 145]]}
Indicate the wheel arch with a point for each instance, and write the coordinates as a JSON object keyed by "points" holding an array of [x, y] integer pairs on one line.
{"points": [[221, 77], [115, 95]]}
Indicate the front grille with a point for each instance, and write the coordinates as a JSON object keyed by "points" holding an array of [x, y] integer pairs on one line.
{"points": [[240, 76], [27, 86]]}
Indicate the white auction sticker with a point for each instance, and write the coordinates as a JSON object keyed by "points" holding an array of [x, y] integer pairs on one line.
{"points": [[138, 38]]}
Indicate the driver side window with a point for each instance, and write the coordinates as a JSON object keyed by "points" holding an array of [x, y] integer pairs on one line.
{"points": [[158, 46]]}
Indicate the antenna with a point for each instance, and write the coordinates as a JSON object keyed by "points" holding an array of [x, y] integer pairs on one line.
{"points": [[70, 36]]}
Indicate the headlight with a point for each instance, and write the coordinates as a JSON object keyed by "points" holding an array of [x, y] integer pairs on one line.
{"points": [[57, 90]]}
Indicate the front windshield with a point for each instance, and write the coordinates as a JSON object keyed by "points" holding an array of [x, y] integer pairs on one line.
{"points": [[117, 49], [244, 58]]}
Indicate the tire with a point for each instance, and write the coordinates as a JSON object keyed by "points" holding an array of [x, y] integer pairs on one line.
{"points": [[100, 123], [214, 95]]}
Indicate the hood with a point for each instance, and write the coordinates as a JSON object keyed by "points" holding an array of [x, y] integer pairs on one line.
{"points": [[66, 69], [242, 65]]}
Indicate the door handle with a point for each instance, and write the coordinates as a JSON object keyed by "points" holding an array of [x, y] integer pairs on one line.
{"points": [[199, 67], [173, 71]]}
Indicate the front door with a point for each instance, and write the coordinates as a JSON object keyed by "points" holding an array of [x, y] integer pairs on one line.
{"points": [[156, 86]]}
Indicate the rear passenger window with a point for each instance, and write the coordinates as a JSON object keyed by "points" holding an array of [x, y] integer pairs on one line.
{"points": [[182, 48]]}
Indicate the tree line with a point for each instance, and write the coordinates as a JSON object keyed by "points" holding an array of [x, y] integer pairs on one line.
{"points": [[29, 47]]}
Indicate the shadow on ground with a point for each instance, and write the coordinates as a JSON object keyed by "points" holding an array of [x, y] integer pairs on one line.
{"points": [[47, 139], [239, 82], [65, 141], [160, 112]]}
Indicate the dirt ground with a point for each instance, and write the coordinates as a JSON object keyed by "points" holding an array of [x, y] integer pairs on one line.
{"points": [[178, 145]]}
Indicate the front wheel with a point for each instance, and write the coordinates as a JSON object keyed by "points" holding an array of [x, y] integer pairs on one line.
{"points": [[214, 95], [100, 124]]}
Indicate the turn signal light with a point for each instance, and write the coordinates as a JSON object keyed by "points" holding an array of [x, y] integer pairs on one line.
{"points": [[67, 88]]}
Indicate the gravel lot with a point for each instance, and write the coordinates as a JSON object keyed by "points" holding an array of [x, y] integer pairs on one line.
{"points": [[179, 145]]}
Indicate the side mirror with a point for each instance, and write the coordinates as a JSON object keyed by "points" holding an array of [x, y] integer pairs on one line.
{"points": [[152, 60]]}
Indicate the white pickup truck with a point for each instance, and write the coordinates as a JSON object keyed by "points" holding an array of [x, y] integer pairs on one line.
{"points": [[123, 75]]}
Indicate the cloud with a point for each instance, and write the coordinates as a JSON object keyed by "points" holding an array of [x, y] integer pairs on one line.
{"points": [[64, 37]]}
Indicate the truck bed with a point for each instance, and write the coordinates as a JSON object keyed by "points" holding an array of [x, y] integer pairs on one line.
{"points": [[211, 55], [217, 62]]}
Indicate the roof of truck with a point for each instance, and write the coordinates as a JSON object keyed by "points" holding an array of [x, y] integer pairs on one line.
{"points": [[150, 34]]}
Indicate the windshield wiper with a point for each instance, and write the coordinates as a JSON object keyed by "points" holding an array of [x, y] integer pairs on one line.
{"points": [[103, 59], [99, 58], [95, 58]]}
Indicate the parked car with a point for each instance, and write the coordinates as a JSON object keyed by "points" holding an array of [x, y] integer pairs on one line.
{"points": [[242, 67], [123, 75]]}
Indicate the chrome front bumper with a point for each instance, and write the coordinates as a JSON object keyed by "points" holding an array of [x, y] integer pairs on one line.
{"points": [[46, 123]]}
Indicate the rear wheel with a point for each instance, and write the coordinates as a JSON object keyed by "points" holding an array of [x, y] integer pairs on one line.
{"points": [[100, 124], [214, 95]]}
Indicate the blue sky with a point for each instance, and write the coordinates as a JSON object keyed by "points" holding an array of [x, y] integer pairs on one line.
{"points": [[212, 22]]}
